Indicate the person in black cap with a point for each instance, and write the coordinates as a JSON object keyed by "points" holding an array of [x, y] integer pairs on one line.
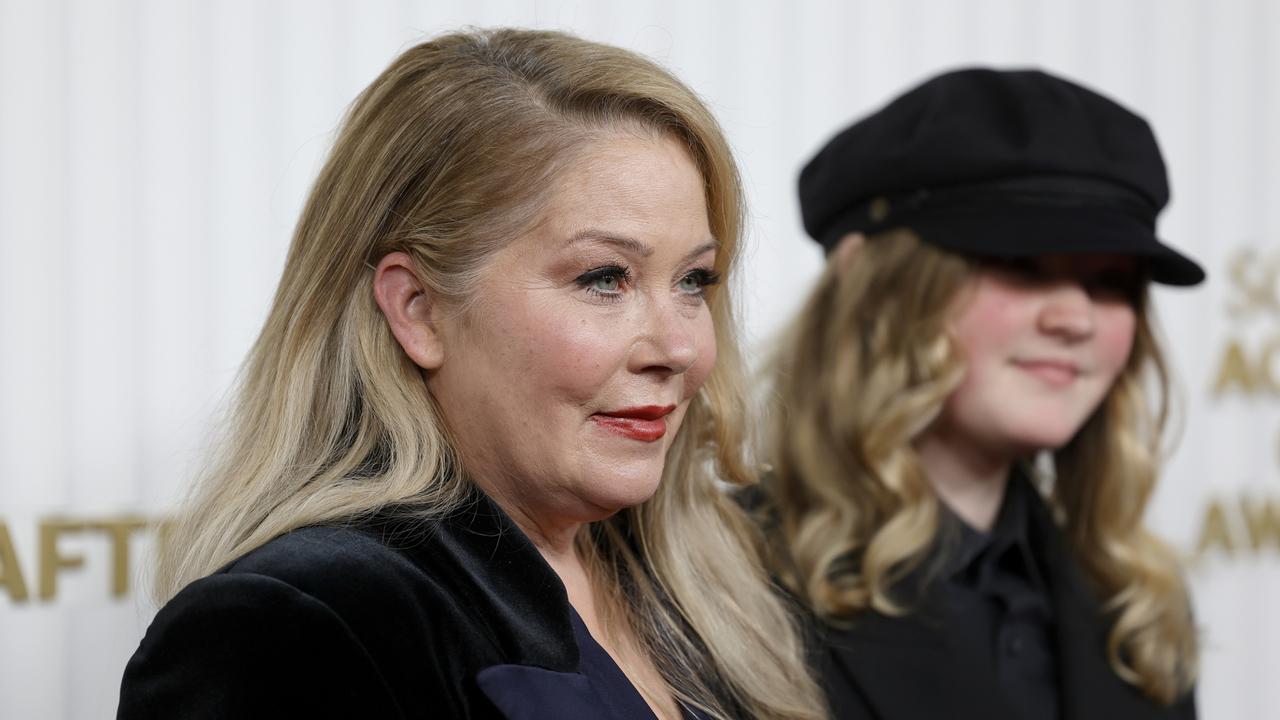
{"points": [[968, 411]]}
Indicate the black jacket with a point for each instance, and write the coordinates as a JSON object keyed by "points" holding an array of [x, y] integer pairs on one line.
{"points": [[389, 618], [915, 666]]}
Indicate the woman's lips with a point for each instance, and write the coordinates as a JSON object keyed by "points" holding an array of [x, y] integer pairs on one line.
{"points": [[646, 423], [1056, 373]]}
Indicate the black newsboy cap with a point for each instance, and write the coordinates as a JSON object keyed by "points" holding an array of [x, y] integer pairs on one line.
{"points": [[998, 163]]}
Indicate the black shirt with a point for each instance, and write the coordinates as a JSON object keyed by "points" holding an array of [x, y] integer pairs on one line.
{"points": [[939, 659], [995, 591]]}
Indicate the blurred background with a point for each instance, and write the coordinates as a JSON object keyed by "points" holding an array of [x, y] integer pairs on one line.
{"points": [[154, 155]]}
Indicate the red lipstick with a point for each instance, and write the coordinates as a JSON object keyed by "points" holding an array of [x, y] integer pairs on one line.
{"points": [[646, 423]]}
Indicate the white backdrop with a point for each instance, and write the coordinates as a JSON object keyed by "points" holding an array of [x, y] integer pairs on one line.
{"points": [[154, 156]]}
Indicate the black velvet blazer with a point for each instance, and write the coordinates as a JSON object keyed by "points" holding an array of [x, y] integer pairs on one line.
{"points": [[390, 618], [915, 667]]}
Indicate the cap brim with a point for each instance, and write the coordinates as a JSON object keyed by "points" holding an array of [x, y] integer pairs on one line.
{"points": [[1030, 230]]}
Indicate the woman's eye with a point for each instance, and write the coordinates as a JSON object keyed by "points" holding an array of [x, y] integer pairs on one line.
{"points": [[697, 281], [605, 281], [1121, 285], [1022, 269], [608, 283]]}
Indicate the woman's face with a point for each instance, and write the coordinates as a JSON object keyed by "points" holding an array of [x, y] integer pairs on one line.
{"points": [[566, 379], [1044, 340]]}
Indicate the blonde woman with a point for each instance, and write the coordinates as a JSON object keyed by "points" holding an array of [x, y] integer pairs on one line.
{"points": [[472, 467], [991, 241]]}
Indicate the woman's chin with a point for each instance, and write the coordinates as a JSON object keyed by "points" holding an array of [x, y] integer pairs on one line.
{"points": [[619, 493]]}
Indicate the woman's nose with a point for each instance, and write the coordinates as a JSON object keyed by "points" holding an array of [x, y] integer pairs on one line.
{"points": [[667, 343], [1067, 312]]}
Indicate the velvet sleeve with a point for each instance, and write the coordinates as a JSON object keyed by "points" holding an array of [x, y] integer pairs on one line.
{"points": [[244, 645]]}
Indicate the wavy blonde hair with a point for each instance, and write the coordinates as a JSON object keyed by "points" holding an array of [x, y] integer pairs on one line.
{"points": [[866, 369], [448, 155]]}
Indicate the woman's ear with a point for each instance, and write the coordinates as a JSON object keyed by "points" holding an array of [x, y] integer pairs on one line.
{"points": [[409, 309], [844, 251]]}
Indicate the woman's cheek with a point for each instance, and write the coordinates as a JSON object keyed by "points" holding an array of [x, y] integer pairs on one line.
{"points": [[585, 349], [697, 375], [1119, 325]]}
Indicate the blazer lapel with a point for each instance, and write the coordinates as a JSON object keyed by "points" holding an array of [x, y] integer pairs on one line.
{"points": [[909, 667]]}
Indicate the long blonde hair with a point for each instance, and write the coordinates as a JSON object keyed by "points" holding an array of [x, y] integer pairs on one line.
{"points": [[866, 369], [446, 156]]}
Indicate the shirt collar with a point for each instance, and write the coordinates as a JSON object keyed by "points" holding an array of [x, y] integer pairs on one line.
{"points": [[972, 549]]}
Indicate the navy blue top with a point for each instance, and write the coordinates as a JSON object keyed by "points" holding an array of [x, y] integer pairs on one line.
{"points": [[619, 696]]}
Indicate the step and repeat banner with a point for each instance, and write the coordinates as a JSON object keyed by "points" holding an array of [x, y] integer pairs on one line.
{"points": [[154, 156]]}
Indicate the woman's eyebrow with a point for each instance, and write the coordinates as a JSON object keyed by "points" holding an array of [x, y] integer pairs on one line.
{"points": [[704, 247], [632, 245], [629, 244]]}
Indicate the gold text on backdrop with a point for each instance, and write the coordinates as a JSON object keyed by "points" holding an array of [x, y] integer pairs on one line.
{"points": [[1246, 372], [1247, 363], [52, 559], [1248, 525]]}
